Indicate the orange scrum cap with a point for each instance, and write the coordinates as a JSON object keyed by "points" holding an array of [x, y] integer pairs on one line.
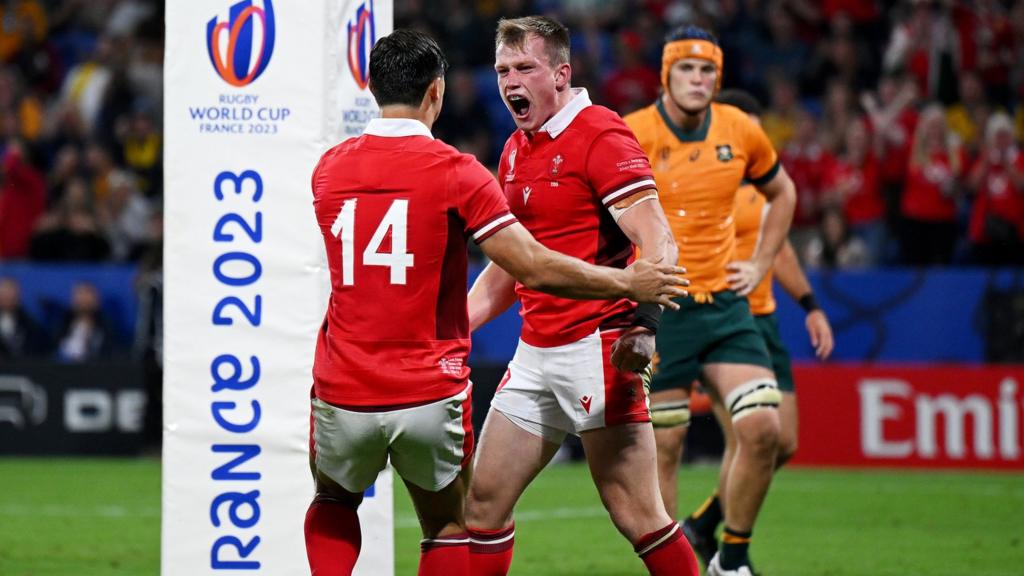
{"points": [[690, 48]]}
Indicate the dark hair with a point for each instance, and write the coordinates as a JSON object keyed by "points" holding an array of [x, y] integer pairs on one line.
{"points": [[516, 31], [690, 32], [741, 99], [402, 66]]}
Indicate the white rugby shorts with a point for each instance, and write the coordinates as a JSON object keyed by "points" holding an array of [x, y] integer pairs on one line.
{"points": [[427, 444], [570, 389]]}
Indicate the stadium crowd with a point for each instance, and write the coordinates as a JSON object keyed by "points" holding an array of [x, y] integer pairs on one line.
{"points": [[81, 87], [900, 122]]}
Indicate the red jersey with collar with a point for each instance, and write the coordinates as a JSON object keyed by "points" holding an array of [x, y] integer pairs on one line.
{"points": [[560, 189], [396, 213]]}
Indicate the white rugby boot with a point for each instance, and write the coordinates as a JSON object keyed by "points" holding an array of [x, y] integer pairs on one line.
{"points": [[715, 569]]}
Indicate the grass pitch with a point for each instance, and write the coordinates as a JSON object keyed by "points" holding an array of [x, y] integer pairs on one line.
{"points": [[102, 517]]}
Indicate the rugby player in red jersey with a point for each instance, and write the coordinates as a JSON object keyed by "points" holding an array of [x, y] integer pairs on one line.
{"points": [[576, 178], [396, 208]]}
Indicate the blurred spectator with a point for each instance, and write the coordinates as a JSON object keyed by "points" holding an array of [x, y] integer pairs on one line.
{"points": [[967, 117], [633, 84], [785, 54], [893, 117], [840, 111], [24, 111], [852, 184], [124, 216], [462, 101], [86, 84], [834, 246], [807, 163], [997, 215], [929, 205], [85, 334], [22, 201], [779, 120], [70, 232], [24, 21], [66, 166], [985, 44], [20, 335], [923, 43], [142, 147]]}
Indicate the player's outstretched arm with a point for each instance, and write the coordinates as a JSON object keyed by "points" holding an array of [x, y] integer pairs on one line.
{"points": [[493, 292], [793, 280], [516, 251], [781, 194]]}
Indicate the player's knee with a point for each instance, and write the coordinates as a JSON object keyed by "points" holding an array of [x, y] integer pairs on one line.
{"points": [[759, 434], [787, 449], [483, 509]]}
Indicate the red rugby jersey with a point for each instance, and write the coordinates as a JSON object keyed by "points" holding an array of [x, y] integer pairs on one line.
{"points": [[559, 184], [396, 209]]}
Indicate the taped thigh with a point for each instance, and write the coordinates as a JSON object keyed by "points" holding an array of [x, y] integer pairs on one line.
{"points": [[757, 394], [670, 414]]}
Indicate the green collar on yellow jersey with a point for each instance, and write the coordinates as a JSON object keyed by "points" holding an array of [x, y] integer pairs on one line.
{"points": [[697, 135]]}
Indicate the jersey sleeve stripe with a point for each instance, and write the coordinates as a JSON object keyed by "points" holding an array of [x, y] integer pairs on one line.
{"points": [[767, 177], [627, 190], [487, 230]]}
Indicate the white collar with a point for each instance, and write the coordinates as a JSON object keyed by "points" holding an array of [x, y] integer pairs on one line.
{"points": [[397, 127], [560, 121]]}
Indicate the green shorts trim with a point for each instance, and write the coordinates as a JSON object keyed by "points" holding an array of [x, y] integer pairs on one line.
{"points": [[768, 326], [722, 331]]}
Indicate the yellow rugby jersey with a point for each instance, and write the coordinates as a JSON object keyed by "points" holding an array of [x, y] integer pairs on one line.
{"points": [[748, 214], [698, 175]]}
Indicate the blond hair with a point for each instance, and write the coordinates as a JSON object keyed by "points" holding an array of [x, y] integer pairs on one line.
{"points": [[514, 33]]}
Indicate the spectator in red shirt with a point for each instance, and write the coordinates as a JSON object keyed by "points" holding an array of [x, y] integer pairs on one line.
{"points": [[929, 201], [807, 162], [853, 184], [633, 85], [997, 179], [22, 201]]}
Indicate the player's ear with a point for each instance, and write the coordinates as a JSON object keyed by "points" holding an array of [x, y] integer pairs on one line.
{"points": [[563, 77]]}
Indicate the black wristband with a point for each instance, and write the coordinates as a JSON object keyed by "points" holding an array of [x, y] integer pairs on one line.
{"points": [[809, 303], [648, 316]]}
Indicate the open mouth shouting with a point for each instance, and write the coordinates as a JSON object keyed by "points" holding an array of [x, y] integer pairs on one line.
{"points": [[519, 105]]}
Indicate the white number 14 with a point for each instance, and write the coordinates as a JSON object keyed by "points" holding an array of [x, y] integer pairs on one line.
{"points": [[396, 219]]}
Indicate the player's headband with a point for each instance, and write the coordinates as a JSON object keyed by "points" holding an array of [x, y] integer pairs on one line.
{"points": [[690, 48]]}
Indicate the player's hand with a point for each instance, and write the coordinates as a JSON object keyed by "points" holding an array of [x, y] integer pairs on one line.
{"points": [[820, 332], [651, 281], [633, 350], [743, 276]]}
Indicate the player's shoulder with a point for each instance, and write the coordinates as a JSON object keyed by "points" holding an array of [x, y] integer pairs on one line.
{"points": [[595, 119], [729, 114]]}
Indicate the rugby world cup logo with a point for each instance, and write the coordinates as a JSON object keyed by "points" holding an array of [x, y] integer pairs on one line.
{"points": [[240, 48], [362, 35]]}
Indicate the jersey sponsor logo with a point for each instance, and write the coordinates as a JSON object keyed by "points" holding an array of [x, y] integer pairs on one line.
{"points": [[526, 194], [450, 365], [724, 152], [556, 164], [234, 60], [362, 35], [511, 165], [585, 402], [694, 155]]}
